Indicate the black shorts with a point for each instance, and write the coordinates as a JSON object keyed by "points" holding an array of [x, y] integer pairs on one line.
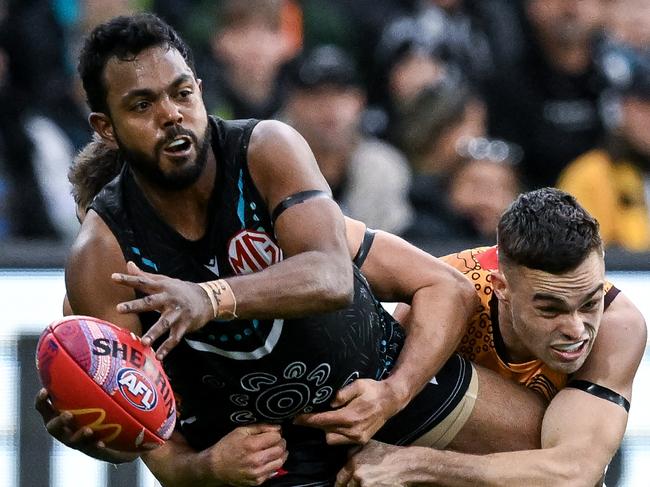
{"points": [[313, 463]]}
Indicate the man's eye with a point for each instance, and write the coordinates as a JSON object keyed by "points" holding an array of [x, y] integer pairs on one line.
{"points": [[184, 93], [549, 311], [141, 106]]}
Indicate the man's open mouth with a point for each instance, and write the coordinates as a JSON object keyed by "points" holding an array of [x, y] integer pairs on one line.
{"points": [[179, 146]]}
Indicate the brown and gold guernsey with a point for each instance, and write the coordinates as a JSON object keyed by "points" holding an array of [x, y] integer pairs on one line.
{"points": [[482, 342]]}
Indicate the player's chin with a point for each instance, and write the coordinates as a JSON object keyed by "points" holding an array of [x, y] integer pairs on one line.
{"points": [[179, 159], [568, 368], [180, 175], [568, 365]]}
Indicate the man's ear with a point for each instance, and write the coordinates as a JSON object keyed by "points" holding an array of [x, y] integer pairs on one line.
{"points": [[500, 286], [102, 125]]}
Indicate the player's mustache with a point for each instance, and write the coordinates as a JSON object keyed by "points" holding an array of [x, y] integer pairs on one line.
{"points": [[171, 133]]}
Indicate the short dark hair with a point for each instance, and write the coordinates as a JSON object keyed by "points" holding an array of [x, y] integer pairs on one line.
{"points": [[93, 168], [547, 230], [123, 37]]}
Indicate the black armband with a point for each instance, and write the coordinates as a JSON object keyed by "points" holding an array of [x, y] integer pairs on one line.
{"points": [[600, 391], [295, 199], [364, 248]]}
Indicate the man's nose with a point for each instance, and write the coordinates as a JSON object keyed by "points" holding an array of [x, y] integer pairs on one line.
{"points": [[170, 113], [573, 327]]}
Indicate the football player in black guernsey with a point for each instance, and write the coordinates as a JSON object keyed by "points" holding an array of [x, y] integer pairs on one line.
{"points": [[220, 244]]}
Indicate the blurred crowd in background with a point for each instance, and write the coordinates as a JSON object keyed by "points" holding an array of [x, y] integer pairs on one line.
{"points": [[426, 117]]}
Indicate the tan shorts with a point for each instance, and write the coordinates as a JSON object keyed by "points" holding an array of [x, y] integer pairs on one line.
{"points": [[444, 432]]}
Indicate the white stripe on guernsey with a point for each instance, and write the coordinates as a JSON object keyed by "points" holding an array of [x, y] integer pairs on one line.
{"points": [[269, 345]]}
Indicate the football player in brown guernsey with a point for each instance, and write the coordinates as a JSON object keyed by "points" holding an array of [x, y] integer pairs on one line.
{"points": [[549, 321], [291, 327]]}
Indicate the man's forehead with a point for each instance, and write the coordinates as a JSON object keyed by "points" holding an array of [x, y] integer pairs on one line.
{"points": [[581, 281], [151, 65]]}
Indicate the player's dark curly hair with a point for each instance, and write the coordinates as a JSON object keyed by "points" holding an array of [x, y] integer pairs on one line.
{"points": [[123, 37], [547, 230]]}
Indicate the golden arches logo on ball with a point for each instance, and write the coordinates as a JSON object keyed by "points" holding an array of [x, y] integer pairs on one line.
{"points": [[98, 424]]}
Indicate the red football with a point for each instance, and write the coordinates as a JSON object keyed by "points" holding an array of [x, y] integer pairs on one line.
{"points": [[108, 380]]}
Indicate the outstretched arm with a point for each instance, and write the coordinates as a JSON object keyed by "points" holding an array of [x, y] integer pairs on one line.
{"points": [[579, 437], [580, 432], [442, 302]]}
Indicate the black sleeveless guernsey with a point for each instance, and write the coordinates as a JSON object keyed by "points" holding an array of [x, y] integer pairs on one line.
{"points": [[233, 373]]}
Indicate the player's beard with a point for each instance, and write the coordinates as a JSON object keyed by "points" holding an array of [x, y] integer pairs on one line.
{"points": [[148, 167]]}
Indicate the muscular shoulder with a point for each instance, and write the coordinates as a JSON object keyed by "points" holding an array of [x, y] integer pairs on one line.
{"points": [[271, 133], [281, 162], [624, 323], [276, 144], [618, 348], [94, 235], [94, 256]]}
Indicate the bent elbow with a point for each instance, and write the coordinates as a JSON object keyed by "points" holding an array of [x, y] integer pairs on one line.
{"points": [[343, 290], [345, 296], [576, 473], [338, 286], [464, 288], [579, 475]]}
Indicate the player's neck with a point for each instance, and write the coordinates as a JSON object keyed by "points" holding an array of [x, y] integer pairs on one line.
{"points": [[185, 210]]}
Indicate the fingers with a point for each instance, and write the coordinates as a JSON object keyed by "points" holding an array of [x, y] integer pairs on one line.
{"points": [[274, 468], [254, 429], [259, 437], [271, 456], [353, 450], [340, 439], [353, 482], [82, 436], [347, 394], [141, 282], [325, 420], [59, 426], [62, 428], [148, 303], [270, 462], [174, 338], [261, 451], [342, 427], [344, 476], [44, 406], [269, 440], [162, 326], [339, 429], [133, 269]]}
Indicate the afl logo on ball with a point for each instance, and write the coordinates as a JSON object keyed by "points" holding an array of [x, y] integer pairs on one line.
{"points": [[137, 389], [251, 251]]}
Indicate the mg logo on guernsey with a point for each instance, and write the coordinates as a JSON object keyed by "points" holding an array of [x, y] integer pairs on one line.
{"points": [[137, 389], [251, 251]]}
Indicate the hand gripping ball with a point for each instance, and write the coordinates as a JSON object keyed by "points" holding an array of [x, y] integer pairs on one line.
{"points": [[108, 380]]}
